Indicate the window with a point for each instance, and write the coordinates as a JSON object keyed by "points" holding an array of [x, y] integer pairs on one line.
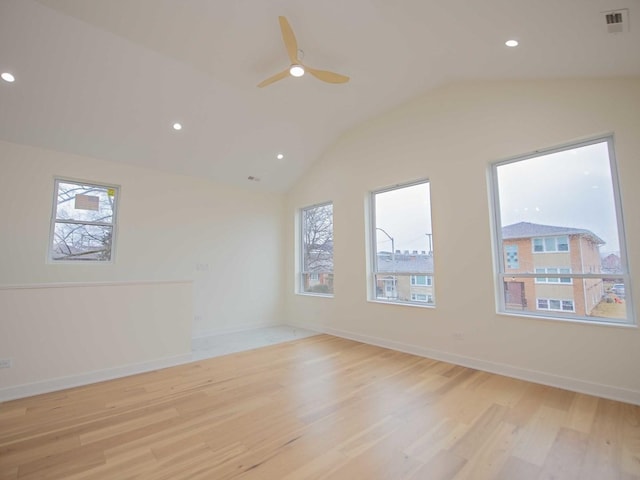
{"points": [[316, 236], [402, 263], [511, 252], [421, 297], [83, 222], [551, 244], [566, 280], [556, 305], [421, 280], [560, 243]]}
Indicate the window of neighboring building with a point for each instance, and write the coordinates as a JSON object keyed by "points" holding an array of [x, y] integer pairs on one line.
{"points": [[557, 254], [83, 222], [555, 305], [566, 280], [511, 252], [402, 244], [316, 240], [421, 280], [551, 244]]}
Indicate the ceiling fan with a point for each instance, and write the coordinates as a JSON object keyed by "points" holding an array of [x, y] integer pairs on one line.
{"points": [[297, 69]]}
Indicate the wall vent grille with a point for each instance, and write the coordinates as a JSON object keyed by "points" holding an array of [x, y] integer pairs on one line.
{"points": [[617, 21]]}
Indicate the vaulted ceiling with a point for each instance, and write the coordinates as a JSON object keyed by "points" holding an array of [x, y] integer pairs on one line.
{"points": [[108, 78]]}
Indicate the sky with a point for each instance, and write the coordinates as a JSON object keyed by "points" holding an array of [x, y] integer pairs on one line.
{"points": [[405, 214], [572, 188]]}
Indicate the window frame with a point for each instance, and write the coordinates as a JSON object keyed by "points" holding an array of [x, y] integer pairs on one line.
{"points": [[500, 271], [373, 255], [300, 283], [54, 220]]}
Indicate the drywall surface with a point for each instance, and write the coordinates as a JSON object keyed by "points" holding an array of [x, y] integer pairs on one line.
{"points": [[450, 136], [226, 242], [58, 336]]}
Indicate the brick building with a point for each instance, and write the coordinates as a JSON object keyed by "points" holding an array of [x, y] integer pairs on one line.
{"points": [[532, 248]]}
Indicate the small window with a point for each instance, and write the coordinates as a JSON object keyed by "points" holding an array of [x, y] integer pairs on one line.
{"points": [[560, 255], [316, 262], [83, 222], [551, 244], [421, 280], [511, 252], [566, 280], [402, 263]]}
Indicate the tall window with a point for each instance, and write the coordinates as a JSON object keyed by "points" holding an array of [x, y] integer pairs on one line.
{"points": [[402, 245], [560, 238], [317, 249], [83, 222]]}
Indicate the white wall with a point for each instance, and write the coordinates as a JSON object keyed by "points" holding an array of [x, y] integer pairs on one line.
{"points": [[226, 241], [450, 136]]}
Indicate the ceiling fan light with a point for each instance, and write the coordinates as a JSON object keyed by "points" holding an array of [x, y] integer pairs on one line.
{"points": [[296, 70]]}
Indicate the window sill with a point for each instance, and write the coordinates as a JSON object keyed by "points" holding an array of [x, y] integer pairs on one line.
{"points": [[311, 294], [404, 304], [571, 320]]}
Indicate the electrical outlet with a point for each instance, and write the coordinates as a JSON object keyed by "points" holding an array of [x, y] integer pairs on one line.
{"points": [[6, 362]]}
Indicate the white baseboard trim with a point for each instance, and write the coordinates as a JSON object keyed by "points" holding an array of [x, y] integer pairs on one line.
{"points": [[224, 331], [61, 383], [567, 383]]}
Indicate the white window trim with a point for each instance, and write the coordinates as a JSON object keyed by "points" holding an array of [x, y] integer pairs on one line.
{"points": [[499, 262], [373, 257], [113, 224]]}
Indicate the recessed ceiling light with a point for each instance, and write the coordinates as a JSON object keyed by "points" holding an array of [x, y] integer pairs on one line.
{"points": [[511, 43], [280, 156], [296, 70], [7, 77], [177, 126]]}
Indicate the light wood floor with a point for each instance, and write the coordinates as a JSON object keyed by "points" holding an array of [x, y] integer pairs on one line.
{"points": [[321, 407]]}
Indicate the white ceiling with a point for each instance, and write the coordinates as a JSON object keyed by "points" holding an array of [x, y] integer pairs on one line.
{"points": [[107, 78]]}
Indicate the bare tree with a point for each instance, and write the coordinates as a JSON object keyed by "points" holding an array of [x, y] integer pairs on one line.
{"points": [[317, 237]]}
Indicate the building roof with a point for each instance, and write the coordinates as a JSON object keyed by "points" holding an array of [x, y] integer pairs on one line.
{"points": [[528, 230], [405, 262]]}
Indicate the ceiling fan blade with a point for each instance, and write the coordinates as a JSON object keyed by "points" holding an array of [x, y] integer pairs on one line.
{"points": [[274, 78], [289, 39], [326, 76]]}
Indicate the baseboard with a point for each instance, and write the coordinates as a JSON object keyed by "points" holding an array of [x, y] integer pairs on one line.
{"points": [[61, 383], [242, 328], [567, 383]]}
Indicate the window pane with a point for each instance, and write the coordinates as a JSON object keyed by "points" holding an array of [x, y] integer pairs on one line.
{"points": [[403, 263], [76, 241], [549, 205], [85, 203], [550, 244], [537, 245], [317, 249]]}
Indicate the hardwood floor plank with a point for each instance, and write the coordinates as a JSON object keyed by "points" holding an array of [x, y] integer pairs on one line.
{"points": [[318, 408]]}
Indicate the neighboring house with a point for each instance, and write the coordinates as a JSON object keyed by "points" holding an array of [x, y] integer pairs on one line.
{"points": [[611, 264], [405, 277], [534, 248]]}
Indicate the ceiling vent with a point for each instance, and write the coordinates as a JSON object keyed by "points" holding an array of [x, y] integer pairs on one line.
{"points": [[617, 21]]}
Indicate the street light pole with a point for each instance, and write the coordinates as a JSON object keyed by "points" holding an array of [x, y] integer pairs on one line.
{"points": [[393, 247]]}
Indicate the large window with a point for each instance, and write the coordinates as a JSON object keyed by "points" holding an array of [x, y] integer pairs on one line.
{"points": [[402, 262], [560, 246], [83, 222], [316, 263]]}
